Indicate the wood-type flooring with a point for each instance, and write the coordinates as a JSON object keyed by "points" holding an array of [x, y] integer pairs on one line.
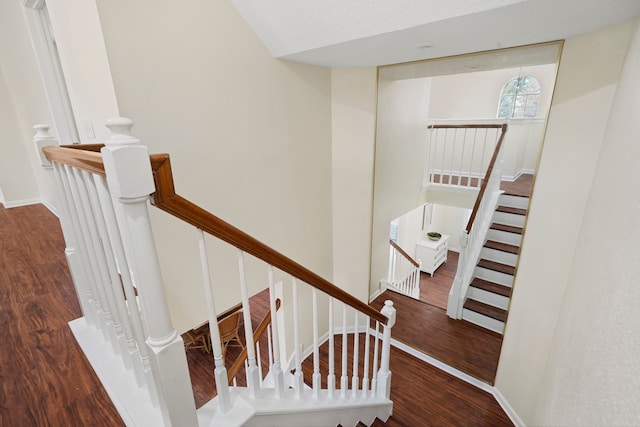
{"points": [[45, 379]]}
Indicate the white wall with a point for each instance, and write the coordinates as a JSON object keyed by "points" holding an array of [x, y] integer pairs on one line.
{"points": [[86, 68], [16, 178], [593, 372], [449, 220], [475, 95], [399, 159], [353, 104], [27, 97], [585, 89], [249, 137]]}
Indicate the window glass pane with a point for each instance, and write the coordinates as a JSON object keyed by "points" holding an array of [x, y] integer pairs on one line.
{"points": [[519, 97]]}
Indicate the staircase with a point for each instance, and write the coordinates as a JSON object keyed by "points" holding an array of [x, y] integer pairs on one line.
{"points": [[490, 289], [126, 330]]}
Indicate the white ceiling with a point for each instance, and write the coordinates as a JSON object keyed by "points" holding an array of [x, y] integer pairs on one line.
{"points": [[343, 33]]}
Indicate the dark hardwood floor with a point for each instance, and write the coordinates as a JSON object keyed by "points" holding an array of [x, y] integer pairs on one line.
{"points": [[45, 379], [425, 326]]}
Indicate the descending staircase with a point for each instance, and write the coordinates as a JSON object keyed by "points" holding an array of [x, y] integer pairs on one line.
{"points": [[490, 289]]}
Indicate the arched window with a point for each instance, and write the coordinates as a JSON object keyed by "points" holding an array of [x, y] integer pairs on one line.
{"points": [[519, 97]]}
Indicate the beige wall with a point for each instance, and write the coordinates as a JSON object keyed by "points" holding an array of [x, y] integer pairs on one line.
{"points": [[17, 183], [593, 373], [85, 65], [399, 158], [26, 94], [353, 104], [585, 89], [249, 136]]}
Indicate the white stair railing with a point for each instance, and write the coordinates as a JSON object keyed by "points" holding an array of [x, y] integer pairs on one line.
{"points": [[404, 272], [458, 154], [474, 235], [126, 330]]}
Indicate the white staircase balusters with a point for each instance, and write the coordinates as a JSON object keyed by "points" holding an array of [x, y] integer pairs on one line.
{"points": [[252, 368], [356, 348], [374, 379], [316, 346], [367, 355], [219, 370], [331, 376], [136, 344], [298, 376], [73, 251], [276, 367], [451, 152], [404, 272], [344, 379], [130, 181]]}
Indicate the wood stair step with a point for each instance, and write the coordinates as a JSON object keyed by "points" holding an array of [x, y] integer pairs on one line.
{"points": [[492, 287], [508, 193], [507, 228], [504, 247], [511, 210], [486, 309], [497, 266]]}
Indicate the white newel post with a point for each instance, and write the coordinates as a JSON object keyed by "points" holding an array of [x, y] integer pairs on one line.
{"points": [[42, 139], [130, 181], [456, 299], [384, 374]]}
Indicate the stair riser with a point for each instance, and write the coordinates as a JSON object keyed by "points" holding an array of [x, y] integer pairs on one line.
{"points": [[488, 297], [499, 256], [507, 218], [482, 320], [493, 276], [514, 201], [504, 237]]}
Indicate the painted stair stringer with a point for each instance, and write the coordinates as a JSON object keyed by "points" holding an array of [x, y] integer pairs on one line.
{"points": [[506, 236], [289, 411]]}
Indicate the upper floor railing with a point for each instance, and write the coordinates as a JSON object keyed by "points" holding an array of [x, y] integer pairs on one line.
{"points": [[404, 272], [474, 235], [458, 154]]}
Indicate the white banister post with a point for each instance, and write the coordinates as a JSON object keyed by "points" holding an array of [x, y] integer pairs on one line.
{"points": [[130, 181], [384, 374], [454, 308]]}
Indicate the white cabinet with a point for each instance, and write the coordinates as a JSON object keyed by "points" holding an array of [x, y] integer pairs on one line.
{"points": [[432, 253]]}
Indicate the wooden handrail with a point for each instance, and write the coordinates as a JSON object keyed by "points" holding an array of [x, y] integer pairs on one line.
{"points": [[483, 188], [467, 126], [404, 254], [165, 198], [77, 157], [266, 320]]}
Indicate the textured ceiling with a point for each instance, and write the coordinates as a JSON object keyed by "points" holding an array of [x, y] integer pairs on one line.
{"points": [[338, 33]]}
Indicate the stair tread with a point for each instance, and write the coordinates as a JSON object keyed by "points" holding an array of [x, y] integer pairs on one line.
{"points": [[507, 193], [504, 247], [492, 287], [507, 228], [486, 309], [511, 210], [497, 266]]}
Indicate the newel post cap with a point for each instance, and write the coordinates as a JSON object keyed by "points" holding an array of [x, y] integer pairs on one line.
{"points": [[120, 128], [126, 162], [389, 311]]}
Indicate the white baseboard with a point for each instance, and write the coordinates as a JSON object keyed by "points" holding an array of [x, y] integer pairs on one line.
{"points": [[22, 202], [506, 407], [51, 208], [504, 404]]}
